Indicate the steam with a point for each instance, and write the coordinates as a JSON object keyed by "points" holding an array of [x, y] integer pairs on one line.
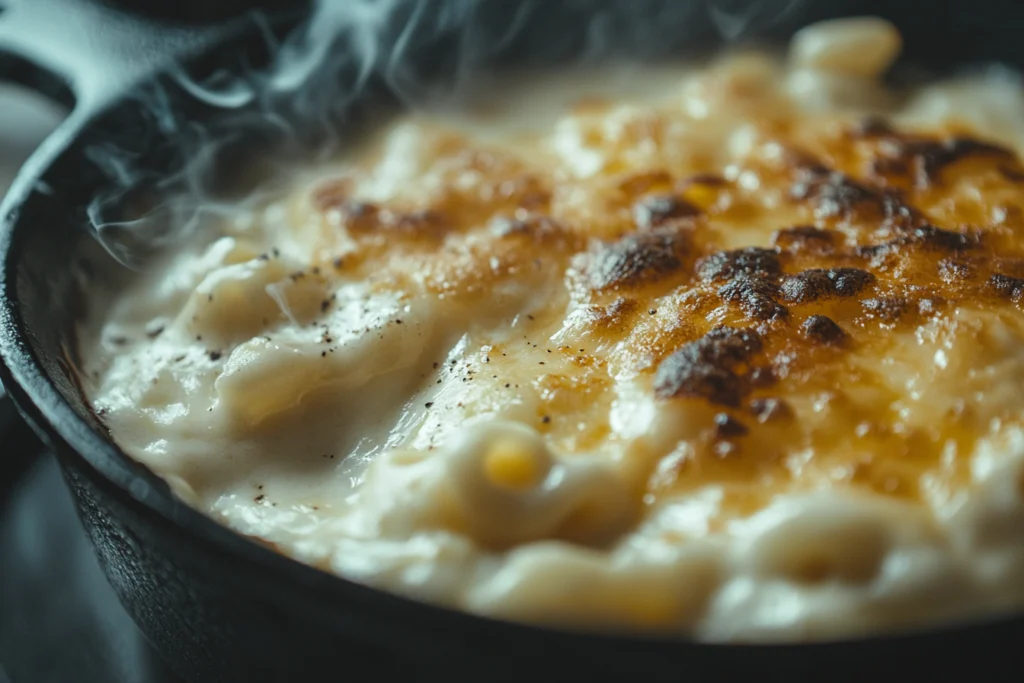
{"points": [[349, 52]]}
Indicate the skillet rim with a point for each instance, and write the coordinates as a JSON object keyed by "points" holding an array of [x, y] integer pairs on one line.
{"points": [[37, 398]]}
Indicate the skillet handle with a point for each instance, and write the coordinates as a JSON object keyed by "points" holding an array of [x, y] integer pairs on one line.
{"points": [[82, 53]]}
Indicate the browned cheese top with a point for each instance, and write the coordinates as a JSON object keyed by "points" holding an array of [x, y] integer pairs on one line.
{"points": [[799, 295], [649, 347]]}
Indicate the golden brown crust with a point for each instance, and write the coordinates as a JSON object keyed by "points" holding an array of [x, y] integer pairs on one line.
{"points": [[860, 237], [920, 160]]}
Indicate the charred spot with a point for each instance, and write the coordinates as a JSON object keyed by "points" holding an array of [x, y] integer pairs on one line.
{"points": [[770, 409], [935, 238], [849, 281], [639, 259], [923, 235], [887, 309], [929, 157], [711, 367], [757, 297], [822, 330], [728, 427], [1008, 287], [730, 344], [749, 261], [804, 238], [823, 283], [652, 212], [833, 193]]}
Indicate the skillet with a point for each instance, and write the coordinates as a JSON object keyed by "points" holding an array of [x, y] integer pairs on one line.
{"points": [[221, 608]]}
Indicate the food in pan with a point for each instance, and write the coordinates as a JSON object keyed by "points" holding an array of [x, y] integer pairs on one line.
{"points": [[731, 351]]}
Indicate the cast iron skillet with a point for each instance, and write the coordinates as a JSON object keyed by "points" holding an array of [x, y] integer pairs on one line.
{"points": [[221, 608]]}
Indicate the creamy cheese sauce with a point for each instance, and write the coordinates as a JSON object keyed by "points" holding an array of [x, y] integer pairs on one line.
{"points": [[731, 351]]}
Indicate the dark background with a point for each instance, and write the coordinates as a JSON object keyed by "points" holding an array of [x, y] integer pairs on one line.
{"points": [[59, 619]]}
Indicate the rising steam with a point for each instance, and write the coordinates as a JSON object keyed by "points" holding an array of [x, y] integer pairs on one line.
{"points": [[419, 52]]}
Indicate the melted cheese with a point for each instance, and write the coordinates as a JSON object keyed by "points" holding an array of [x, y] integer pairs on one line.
{"points": [[733, 352]]}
